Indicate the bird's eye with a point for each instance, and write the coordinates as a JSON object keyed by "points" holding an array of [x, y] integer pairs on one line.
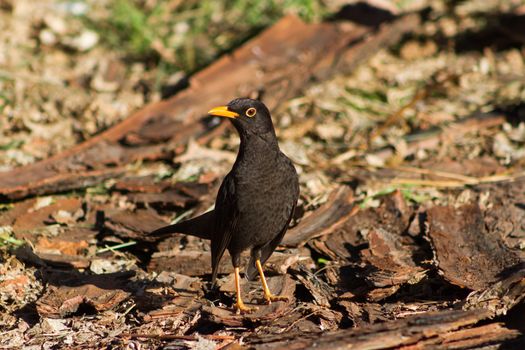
{"points": [[250, 112]]}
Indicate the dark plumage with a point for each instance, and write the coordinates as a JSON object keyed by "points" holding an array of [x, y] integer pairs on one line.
{"points": [[256, 199]]}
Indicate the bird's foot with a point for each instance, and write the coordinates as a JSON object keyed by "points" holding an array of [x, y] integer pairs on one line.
{"points": [[270, 297], [242, 309]]}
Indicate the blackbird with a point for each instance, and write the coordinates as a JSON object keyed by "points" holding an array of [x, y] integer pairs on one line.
{"points": [[256, 199]]}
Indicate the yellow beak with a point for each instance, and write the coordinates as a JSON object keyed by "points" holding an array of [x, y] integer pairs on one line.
{"points": [[223, 111]]}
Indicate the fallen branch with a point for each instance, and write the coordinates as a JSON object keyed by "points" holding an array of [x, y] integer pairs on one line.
{"points": [[177, 337], [324, 220], [432, 330], [280, 61], [459, 183]]}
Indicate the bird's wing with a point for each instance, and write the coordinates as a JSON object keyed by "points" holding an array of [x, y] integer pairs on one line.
{"points": [[267, 250], [226, 219], [201, 226]]}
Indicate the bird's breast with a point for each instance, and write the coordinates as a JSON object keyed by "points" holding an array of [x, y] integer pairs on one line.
{"points": [[264, 173], [267, 189]]}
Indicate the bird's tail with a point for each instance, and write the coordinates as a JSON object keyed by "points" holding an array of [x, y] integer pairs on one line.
{"points": [[251, 270], [201, 226]]}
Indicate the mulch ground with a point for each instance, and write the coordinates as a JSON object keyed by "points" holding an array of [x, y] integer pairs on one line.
{"points": [[408, 134]]}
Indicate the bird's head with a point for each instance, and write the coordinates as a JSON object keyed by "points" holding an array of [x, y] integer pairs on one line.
{"points": [[247, 115]]}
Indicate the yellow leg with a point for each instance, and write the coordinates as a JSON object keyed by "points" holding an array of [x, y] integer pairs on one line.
{"points": [[241, 308], [267, 294]]}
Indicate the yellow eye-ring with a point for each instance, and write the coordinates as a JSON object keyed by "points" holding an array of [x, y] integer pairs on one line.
{"points": [[250, 112]]}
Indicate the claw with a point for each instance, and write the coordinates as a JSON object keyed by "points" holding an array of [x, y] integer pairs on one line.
{"points": [[242, 309], [270, 297], [267, 294]]}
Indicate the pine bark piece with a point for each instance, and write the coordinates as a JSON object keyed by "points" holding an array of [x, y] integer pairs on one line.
{"points": [[34, 219], [146, 190], [466, 253], [387, 262], [169, 199], [148, 184], [8, 217], [323, 221], [502, 296], [452, 329], [67, 292], [506, 216], [366, 313], [132, 224], [280, 62], [391, 263], [191, 262]]}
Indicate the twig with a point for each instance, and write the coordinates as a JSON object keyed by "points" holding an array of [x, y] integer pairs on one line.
{"points": [[397, 115], [458, 183], [174, 336], [128, 310], [181, 216], [459, 177], [12, 240], [115, 247], [299, 320], [166, 314], [421, 94], [427, 183], [5, 236]]}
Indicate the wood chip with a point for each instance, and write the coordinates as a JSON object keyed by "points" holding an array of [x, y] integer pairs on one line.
{"points": [[465, 252], [67, 293]]}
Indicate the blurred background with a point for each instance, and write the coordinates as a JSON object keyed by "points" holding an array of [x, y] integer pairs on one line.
{"points": [[70, 69]]}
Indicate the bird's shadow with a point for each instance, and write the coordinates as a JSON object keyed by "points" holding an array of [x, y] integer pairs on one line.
{"points": [[125, 281]]}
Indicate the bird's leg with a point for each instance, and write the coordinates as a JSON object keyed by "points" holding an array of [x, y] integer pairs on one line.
{"points": [[241, 308], [267, 294]]}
